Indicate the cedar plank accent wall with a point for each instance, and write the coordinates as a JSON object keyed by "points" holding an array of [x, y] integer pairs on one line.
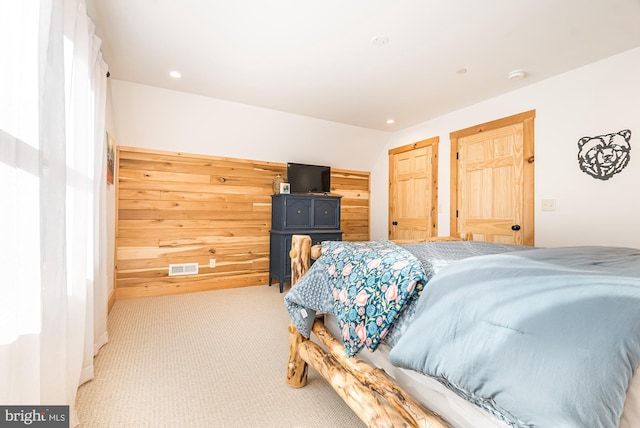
{"points": [[187, 208]]}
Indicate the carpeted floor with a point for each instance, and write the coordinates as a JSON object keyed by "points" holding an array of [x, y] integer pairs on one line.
{"points": [[209, 359]]}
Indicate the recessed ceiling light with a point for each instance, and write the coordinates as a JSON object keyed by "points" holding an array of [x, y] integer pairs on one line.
{"points": [[461, 71], [390, 121], [175, 74], [516, 75], [380, 40]]}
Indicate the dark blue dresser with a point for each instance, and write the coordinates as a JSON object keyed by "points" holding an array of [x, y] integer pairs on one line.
{"points": [[299, 214]]}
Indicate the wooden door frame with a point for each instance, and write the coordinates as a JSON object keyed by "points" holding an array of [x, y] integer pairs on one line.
{"points": [[527, 119], [433, 141]]}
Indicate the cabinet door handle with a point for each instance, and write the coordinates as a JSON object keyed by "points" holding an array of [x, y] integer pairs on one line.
{"points": [[326, 212], [298, 211]]}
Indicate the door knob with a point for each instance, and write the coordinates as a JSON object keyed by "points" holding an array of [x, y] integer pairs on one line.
{"points": [[395, 223], [515, 227]]}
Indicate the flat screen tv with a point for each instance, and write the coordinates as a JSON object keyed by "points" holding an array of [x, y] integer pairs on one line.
{"points": [[308, 178]]}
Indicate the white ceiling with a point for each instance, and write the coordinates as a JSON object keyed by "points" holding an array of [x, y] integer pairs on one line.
{"points": [[316, 58]]}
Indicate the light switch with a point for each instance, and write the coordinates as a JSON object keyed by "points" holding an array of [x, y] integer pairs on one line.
{"points": [[548, 205]]}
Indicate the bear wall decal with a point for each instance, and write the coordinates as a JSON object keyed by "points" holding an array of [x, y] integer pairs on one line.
{"points": [[605, 155]]}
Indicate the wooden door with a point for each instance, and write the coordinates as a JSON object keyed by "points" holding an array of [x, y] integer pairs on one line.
{"points": [[413, 184], [492, 180]]}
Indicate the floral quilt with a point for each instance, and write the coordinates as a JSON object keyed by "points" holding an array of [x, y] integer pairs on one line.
{"points": [[371, 283]]}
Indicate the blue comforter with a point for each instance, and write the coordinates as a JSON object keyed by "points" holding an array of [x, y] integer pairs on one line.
{"points": [[314, 292], [540, 338]]}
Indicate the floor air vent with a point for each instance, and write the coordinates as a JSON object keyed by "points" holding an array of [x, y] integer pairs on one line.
{"points": [[183, 269]]}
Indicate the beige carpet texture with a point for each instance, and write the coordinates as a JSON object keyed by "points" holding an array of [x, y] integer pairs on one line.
{"points": [[208, 359]]}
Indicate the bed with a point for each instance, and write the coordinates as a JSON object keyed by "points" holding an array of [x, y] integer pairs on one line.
{"points": [[472, 334]]}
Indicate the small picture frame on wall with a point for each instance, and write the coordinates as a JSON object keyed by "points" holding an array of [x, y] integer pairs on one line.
{"points": [[285, 188], [111, 158]]}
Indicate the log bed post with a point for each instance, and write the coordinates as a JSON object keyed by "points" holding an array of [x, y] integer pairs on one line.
{"points": [[374, 396], [300, 262], [297, 368], [300, 255]]}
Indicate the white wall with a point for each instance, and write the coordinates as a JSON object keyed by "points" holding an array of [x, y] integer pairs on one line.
{"points": [[161, 119], [601, 98], [148, 117], [111, 196]]}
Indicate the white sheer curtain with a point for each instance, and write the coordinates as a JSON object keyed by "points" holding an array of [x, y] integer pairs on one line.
{"points": [[53, 293]]}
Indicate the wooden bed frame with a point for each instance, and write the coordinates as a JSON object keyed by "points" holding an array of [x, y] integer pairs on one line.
{"points": [[372, 394]]}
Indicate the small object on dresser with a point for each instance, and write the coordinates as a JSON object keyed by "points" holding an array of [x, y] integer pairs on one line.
{"points": [[276, 184], [285, 188]]}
